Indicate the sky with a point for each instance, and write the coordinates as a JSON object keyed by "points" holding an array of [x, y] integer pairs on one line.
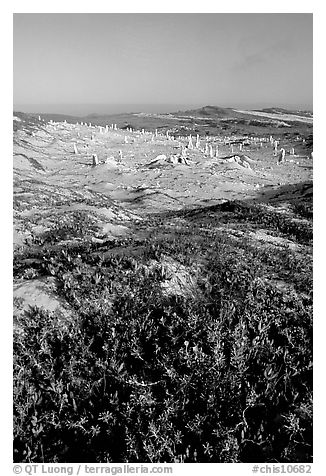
{"points": [[84, 62]]}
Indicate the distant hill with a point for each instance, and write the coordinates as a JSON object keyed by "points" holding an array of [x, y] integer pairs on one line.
{"points": [[218, 112], [208, 111]]}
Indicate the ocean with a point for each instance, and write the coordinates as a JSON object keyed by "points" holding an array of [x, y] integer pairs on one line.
{"points": [[85, 109]]}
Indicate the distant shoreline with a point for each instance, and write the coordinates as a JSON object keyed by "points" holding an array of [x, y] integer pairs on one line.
{"points": [[107, 109]]}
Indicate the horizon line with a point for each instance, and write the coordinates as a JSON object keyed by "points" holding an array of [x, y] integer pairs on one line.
{"points": [[38, 107]]}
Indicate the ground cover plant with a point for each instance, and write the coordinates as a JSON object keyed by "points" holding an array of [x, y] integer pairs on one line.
{"points": [[141, 373]]}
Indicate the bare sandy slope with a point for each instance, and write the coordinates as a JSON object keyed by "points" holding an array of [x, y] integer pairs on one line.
{"points": [[280, 117]]}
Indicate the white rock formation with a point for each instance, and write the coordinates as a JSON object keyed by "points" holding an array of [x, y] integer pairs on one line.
{"points": [[281, 157], [95, 159], [111, 161], [160, 157]]}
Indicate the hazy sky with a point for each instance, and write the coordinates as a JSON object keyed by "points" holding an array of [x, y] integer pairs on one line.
{"points": [[245, 59]]}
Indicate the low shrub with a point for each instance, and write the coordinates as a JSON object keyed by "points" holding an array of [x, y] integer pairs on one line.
{"points": [[136, 375]]}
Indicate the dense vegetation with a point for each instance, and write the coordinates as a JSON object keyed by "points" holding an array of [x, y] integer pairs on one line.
{"points": [[140, 372]]}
